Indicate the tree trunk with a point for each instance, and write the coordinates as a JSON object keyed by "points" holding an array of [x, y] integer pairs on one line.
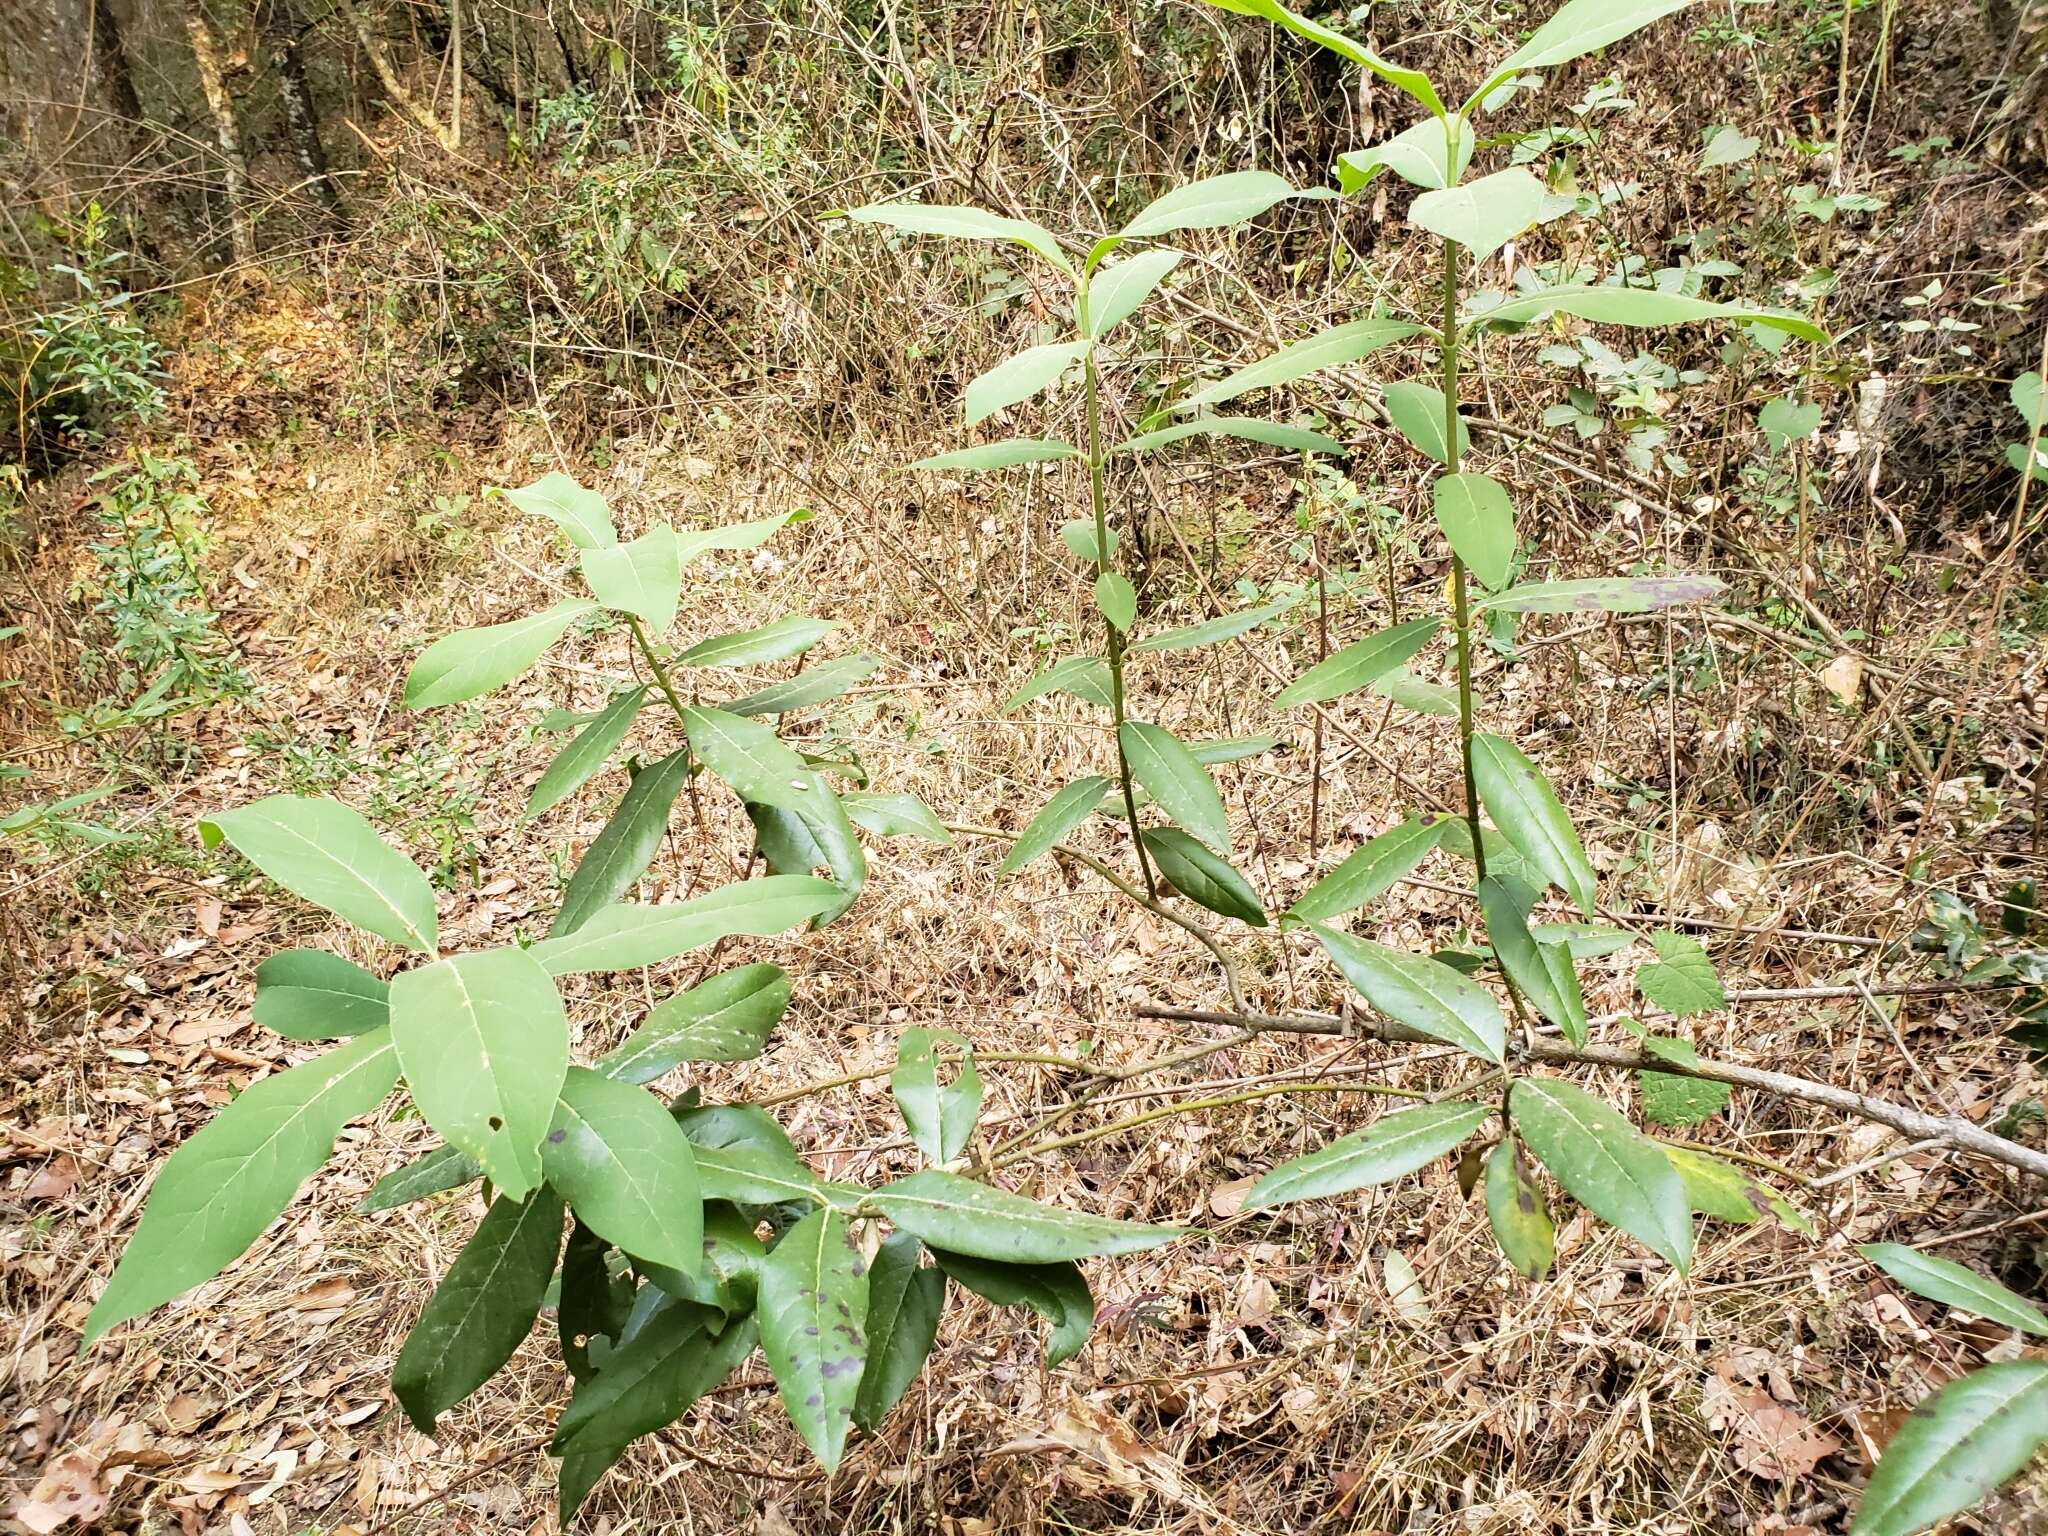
{"points": [[387, 76], [110, 60], [234, 167], [281, 33]]}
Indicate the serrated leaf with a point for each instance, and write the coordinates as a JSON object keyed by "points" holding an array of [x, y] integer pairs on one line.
{"points": [[620, 854], [1602, 594], [1018, 378], [1956, 1447], [896, 816], [428, 1174], [812, 1305], [1056, 1292], [1526, 809], [962, 224], [581, 514], [1717, 1188], [587, 752], [1482, 215], [1358, 665], [2025, 398], [1064, 812], [1215, 202], [939, 1115], [483, 1308], [726, 1017], [1205, 878], [1326, 349], [1417, 412], [308, 994], [1369, 870], [1115, 291], [1179, 786], [1085, 677], [1474, 513], [324, 852], [1954, 1285], [1391, 1146], [473, 662], [1007, 454], [1645, 307], [904, 1301], [1681, 979], [1421, 992], [1248, 428], [984, 1222], [814, 685], [627, 936], [643, 577], [484, 1044], [1224, 627], [230, 1178], [1516, 1210], [1117, 599], [786, 637], [1605, 1164]]}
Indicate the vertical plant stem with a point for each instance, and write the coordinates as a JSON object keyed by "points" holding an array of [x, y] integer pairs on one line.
{"points": [[668, 691], [1461, 613]]}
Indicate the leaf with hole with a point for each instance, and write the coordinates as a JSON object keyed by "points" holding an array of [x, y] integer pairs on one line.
{"points": [[308, 994], [1391, 1146], [326, 853], [1526, 809], [621, 852], [1954, 1285], [1205, 878], [1369, 870], [587, 752], [962, 1216], [1179, 786], [1420, 992], [939, 1114], [812, 1306], [1358, 665], [1326, 349], [1056, 1292], [1605, 1164], [472, 662], [1956, 1447], [1064, 812]]}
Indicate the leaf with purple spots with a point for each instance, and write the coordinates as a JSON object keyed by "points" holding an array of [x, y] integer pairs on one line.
{"points": [[813, 1305]]}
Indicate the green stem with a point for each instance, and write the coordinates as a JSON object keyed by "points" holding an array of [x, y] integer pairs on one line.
{"points": [[668, 691], [1461, 612]]}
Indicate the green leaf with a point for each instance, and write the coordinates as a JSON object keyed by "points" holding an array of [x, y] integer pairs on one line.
{"points": [[1391, 1146], [1586, 941], [587, 752], [1956, 1447], [816, 834], [1715, 1188], [1606, 1164], [483, 1308], [1603, 594], [643, 578], [1953, 1285], [813, 1303], [1420, 155], [1543, 974], [1368, 870], [1117, 599], [1249, 428], [1063, 812], [1417, 412], [628, 936], [626, 1170], [786, 637], [962, 224], [1481, 215], [1517, 1212], [1681, 979], [1786, 421], [484, 1044], [751, 1175], [1413, 81], [1672, 1099], [593, 1305], [2025, 395], [1326, 349], [1404, 688], [1526, 810], [1180, 786], [620, 854], [896, 816], [429, 1174], [750, 757], [1358, 665], [1114, 292], [940, 1116], [904, 1302], [692, 542], [230, 1179], [581, 514], [1205, 878], [814, 685], [327, 854], [1006, 454], [1727, 146], [1575, 29], [308, 994], [1056, 1292], [1018, 378], [1085, 677], [1078, 534], [726, 1017], [1224, 627], [1231, 749], [1215, 202], [472, 662], [1644, 307], [984, 1222], [1423, 993], [1474, 513]]}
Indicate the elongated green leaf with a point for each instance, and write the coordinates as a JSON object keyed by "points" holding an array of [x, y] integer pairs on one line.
{"points": [[626, 1169], [1085, 677], [1681, 979], [726, 1017], [429, 1174], [1645, 307], [1369, 870], [750, 757], [1392, 1146], [1953, 1285], [484, 1045], [592, 1304], [1064, 812], [230, 1179], [984, 1222], [812, 1306], [1203, 877], [1421, 155], [1715, 1188], [814, 685], [786, 637], [1358, 665], [1606, 1164], [1180, 786], [1215, 202], [729, 1126], [1249, 428], [622, 851], [1586, 941], [815, 835], [1603, 594], [581, 514], [1956, 1447], [1018, 378], [1526, 810], [904, 1302], [643, 577], [1326, 349], [1404, 688], [1575, 29], [1114, 292], [471, 662], [1056, 1292], [308, 994], [627, 936], [1413, 81], [587, 753], [324, 852], [1474, 514], [1224, 627], [1422, 993], [752, 1175], [483, 1308], [1004, 455], [1117, 599], [896, 816], [692, 542], [939, 1115], [962, 224], [1517, 1212], [1417, 412], [1483, 215], [1544, 976]]}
